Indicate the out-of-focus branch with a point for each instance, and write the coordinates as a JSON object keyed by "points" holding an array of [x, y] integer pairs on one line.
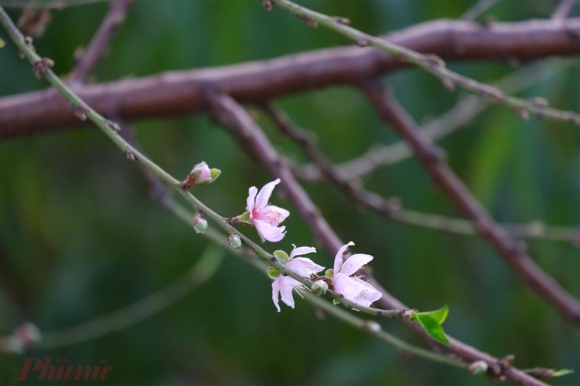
{"points": [[477, 9], [391, 209], [563, 9], [100, 42], [432, 158], [467, 108], [237, 120], [432, 64], [48, 4], [175, 93], [197, 275]]}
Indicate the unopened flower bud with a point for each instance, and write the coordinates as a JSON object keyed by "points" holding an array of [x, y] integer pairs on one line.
{"points": [[281, 256], [199, 223], [372, 326], [201, 174], [477, 367], [24, 336], [329, 274], [319, 287], [273, 273], [234, 241]]}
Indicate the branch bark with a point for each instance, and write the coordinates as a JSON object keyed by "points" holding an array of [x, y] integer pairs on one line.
{"points": [[175, 93]]}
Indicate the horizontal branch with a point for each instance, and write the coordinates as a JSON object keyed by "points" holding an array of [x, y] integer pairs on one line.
{"points": [[181, 92], [434, 65]]}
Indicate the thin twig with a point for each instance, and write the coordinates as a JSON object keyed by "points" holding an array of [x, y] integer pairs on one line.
{"points": [[181, 92], [467, 108], [563, 9], [392, 209], [477, 9], [434, 65], [100, 42], [431, 157]]}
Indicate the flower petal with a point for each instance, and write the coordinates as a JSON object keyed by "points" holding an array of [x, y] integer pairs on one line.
{"points": [[250, 201], [265, 193], [346, 285], [368, 295], [269, 232], [354, 263], [303, 266], [276, 291], [272, 214], [299, 251], [339, 258], [288, 284]]}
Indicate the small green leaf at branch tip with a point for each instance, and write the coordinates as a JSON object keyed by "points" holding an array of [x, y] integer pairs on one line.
{"points": [[438, 315], [561, 373], [215, 173], [281, 256], [431, 327]]}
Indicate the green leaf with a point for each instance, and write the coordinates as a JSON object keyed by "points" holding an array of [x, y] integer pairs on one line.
{"points": [[439, 315], [2, 43], [431, 327], [561, 373]]}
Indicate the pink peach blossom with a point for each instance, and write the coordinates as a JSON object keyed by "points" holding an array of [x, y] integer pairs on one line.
{"points": [[266, 217]]}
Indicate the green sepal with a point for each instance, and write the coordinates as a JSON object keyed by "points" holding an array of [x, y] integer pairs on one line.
{"points": [[215, 173], [329, 274], [273, 273], [281, 256], [245, 218]]}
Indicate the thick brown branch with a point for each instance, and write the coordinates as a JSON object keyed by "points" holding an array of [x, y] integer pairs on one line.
{"points": [[432, 159], [237, 120], [100, 42], [176, 93]]}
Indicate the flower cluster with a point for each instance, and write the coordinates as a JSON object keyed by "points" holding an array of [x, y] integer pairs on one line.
{"points": [[266, 218]]}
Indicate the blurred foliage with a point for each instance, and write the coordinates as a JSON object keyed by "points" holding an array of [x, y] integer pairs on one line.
{"points": [[80, 237]]}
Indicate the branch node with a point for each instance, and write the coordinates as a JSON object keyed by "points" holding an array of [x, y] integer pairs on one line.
{"points": [[342, 20], [40, 67], [267, 4]]}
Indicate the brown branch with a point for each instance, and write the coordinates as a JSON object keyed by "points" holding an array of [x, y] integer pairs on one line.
{"points": [[391, 209], [100, 42], [468, 107], [175, 93], [563, 9], [432, 159], [238, 121]]}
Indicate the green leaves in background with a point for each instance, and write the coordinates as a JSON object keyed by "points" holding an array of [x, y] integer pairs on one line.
{"points": [[431, 322]]}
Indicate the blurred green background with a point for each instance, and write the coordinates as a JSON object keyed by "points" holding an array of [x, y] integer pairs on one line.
{"points": [[81, 237]]}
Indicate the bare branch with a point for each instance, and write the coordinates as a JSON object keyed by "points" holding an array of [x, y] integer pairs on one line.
{"points": [[176, 93], [467, 108], [477, 9], [432, 159], [100, 42], [390, 208], [563, 9]]}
